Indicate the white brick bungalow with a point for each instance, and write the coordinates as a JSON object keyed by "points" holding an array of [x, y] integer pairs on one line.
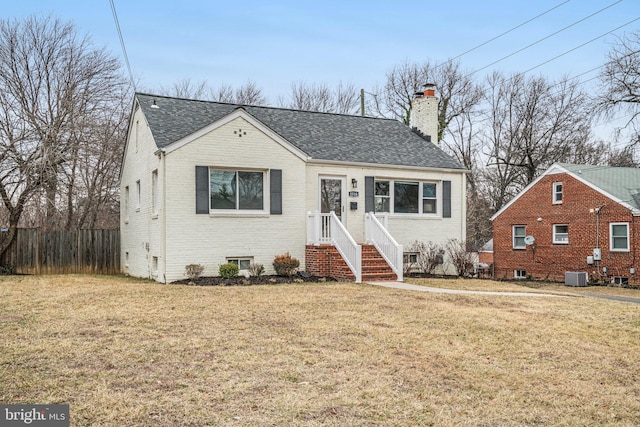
{"points": [[208, 183]]}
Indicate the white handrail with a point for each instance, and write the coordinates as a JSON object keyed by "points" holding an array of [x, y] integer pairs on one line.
{"points": [[327, 228], [378, 235]]}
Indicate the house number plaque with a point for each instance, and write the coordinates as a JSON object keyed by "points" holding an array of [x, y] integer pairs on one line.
{"points": [[353, 194]]}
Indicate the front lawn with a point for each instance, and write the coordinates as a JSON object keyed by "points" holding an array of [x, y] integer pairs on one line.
{"points": [[128, 352]]}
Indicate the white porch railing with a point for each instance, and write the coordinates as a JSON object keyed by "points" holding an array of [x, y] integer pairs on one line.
{"points": [[377, 234], [327, 228]]}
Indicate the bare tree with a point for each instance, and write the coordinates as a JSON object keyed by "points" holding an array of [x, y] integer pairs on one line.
{"points": [[186, 88], [344, 99], [533, 123], [457, 92], [52, 84], [620, 78], [247, 94]]}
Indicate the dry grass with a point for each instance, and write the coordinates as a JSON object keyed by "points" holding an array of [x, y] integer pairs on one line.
{"points": [[126, 352]]}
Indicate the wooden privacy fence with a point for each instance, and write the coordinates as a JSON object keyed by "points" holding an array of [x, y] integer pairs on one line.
{"points": [[63, 252]]}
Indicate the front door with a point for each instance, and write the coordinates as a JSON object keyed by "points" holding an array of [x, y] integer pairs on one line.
{"points": [[332, 197]]}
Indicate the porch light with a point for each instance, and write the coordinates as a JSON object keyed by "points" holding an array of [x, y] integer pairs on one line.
{"points": [[354, 183]]}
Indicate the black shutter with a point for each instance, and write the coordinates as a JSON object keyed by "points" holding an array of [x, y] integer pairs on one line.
{"points": [[202, 190], [369, 193], [446, 199], [276, 191]]}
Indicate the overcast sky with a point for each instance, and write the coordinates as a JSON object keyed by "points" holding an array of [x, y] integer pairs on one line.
{"points": [[275, 43]]}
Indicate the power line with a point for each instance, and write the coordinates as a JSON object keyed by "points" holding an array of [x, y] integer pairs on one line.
{"points": [[124, 50], [546, 37], [510, 30], [579, 46]]}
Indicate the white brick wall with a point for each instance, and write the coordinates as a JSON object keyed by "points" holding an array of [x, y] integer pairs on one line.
{"points": [[404, 228], [140, 233], [424, 116], [210, 239]]}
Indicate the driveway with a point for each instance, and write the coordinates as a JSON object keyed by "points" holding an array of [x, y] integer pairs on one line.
{"points": [[410, 287]]}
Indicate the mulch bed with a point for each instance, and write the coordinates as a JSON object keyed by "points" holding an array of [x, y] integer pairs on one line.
{"points": [[253, 280]]}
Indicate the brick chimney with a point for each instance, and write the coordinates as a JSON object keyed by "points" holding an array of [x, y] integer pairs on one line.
{"points": [[424, 113]]}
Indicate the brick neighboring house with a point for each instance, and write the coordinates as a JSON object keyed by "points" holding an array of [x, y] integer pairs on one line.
{"points": [[573, 218]]}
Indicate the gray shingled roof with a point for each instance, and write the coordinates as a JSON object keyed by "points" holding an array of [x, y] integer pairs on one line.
{"points": [[623, 183], [321, 136]]}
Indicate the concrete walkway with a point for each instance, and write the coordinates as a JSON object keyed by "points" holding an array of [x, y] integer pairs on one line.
{"points": [[410, 287]]}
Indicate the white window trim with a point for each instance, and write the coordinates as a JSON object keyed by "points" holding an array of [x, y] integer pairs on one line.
{"points": [[126, 204], [266, 201], [238, 259], [520, 274], [155, 195], [513, 236], [138, 195], [391, 197], [555, 234], [555, 201], [611, 248]]}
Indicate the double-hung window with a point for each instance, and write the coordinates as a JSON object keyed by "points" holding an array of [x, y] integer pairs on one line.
{"points": [[138, 195], [382, 200], [519, 233], [406, 197], [155, 195], [126, 204], [236, 190], [557, 192], [619, 236], [429, 198], [561, 234]]}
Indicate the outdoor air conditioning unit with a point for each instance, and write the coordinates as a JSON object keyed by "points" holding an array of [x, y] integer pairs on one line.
{"points": [[575, 278]]}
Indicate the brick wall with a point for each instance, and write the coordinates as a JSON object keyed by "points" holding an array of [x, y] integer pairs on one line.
{"points": [[326, 261], [546, 260]]}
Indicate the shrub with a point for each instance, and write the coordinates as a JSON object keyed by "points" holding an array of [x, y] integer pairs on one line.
{"points": [[256, 269], [7, 270], [193, 271], [228, 270], [460, 258], [429, 256], [285, 264]]}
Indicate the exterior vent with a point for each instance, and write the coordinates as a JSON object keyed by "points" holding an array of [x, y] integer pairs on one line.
{"points": [[575, 278]]}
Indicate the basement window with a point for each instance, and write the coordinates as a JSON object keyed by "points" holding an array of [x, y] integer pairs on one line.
{"points": [[619, 280], [519, 274], [242, 263]]}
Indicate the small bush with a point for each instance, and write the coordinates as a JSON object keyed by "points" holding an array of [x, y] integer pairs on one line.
{"points": [[228, 270], [429, 256], [7, 270], [285, 265], [459, 257], [193, 271], [256, 269]]}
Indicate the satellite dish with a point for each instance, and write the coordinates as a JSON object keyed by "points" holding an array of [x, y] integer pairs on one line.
{"points": [[529, 240]]}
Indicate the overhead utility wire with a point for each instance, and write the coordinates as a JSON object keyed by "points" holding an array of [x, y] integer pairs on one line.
{"points": [[124, 50], [508, 31], [583, 44], [545, 38]]}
